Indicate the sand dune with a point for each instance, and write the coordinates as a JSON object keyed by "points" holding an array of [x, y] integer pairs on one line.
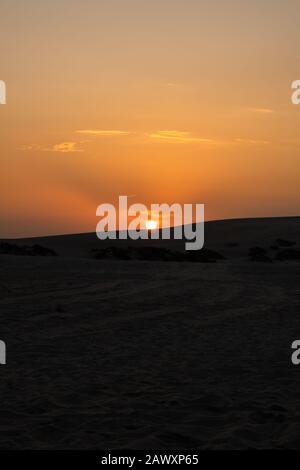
{"points": [[152, 355], [231, 237]]}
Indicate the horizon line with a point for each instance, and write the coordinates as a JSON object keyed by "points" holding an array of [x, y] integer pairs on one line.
{"points": [[230, 219]]}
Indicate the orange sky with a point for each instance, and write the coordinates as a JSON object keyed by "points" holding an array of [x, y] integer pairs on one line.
{"points": [[164, 101]]}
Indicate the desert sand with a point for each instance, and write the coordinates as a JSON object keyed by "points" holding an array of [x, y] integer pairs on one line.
{"points": [[112, 354]]}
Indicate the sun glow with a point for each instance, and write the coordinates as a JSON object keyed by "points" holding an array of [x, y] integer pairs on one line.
{"points": [[151, 225]]}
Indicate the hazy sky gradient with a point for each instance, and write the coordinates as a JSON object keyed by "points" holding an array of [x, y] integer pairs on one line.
{"points": [[166, 101]]}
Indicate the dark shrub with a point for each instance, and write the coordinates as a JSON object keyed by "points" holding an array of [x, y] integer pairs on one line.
{"points": [[151, 253], [288, 255], [259, 254], [19, 250], [285, 243]]}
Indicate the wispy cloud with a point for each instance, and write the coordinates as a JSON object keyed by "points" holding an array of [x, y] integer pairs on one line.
{"points": [[63, 147], [261, 110], [66, 147], [101, 132], [178, 136], [252, 141], [30, 148]]}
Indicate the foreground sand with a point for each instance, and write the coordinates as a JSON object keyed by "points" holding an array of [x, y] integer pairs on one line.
{"points": [[152, 355], [149, 355]]}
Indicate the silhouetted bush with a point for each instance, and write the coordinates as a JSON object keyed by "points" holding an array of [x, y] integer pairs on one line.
{"points": [[22, 250], [259, 254], [285, 243], [150, 253], [204, 256], [232, 244], [288, 255]]}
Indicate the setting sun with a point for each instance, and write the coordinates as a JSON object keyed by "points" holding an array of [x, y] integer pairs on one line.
{"points": [[151, 225]]}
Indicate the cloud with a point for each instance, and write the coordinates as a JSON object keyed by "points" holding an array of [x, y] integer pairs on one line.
{"points": [[178, 136], [252, 141], [63, 147], [66, 147], [30, 148], [261, 110], [99, 132]]}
